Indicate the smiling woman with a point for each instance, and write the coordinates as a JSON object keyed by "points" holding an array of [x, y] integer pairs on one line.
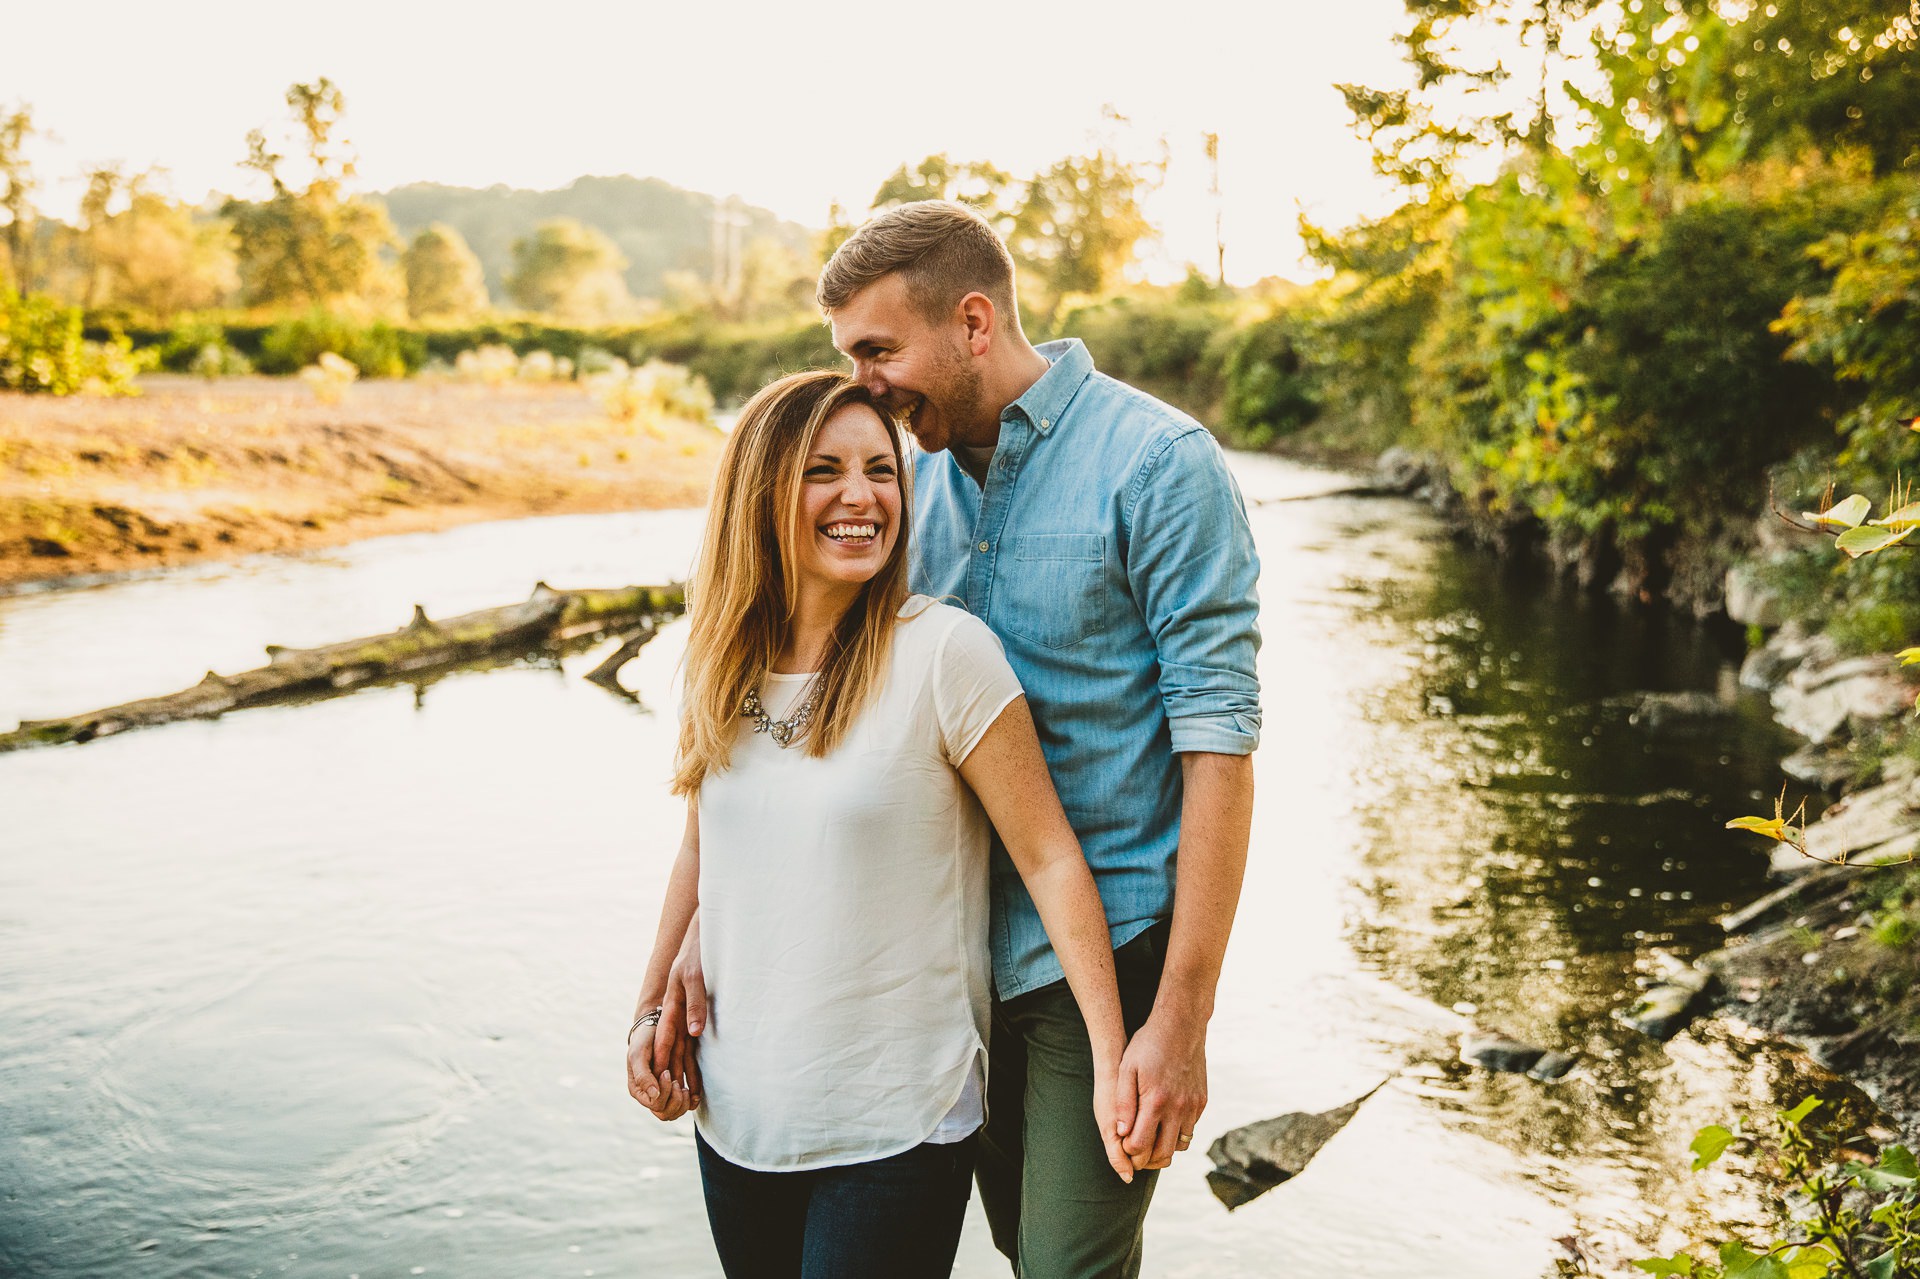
{"points": [[843, 750], [850, 500]]}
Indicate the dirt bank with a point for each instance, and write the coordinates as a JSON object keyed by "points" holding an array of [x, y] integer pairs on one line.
{"points": [[192, 470]]}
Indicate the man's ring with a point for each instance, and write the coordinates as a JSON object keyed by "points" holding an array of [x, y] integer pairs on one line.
{"points": [[1186, 1136]]}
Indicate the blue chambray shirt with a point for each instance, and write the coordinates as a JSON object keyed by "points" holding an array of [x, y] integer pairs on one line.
{"points": [[1109, 551]]}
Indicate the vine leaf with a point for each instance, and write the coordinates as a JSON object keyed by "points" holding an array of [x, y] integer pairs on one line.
{"points": [[1865, 540], [1848, 513], [1801, 1111], [1743, 1263], [1709, 1144]]}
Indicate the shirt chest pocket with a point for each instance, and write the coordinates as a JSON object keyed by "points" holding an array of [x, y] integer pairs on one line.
{"points": [[1051, 588]]}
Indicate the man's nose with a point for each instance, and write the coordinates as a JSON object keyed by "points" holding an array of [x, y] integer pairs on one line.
{"points": [[868, 376]]}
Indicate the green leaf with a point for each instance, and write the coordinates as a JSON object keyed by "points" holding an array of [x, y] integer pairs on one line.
{"points": [[1763, 1266], [1678, 1264], [1812, 1262], [1881, 1267], [1865, 541], [1908, 656], [1709, 1144], [1899, 1162], [1801, 1111], [1849, 512]]}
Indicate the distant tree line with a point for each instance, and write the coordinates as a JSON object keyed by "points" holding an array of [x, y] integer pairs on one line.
{"points": [[605, 250]]}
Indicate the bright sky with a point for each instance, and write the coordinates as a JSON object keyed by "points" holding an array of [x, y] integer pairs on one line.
{"points": [[789, 106]]}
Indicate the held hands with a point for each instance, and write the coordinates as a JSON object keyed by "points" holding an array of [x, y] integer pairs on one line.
{"points": [[662, 1073], [683, 1015], [1162, 1090], [665, 1094]]}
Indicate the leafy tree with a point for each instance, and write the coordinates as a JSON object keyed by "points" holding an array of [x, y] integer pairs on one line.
{"points": [[1073, 229], [444, 279], [16, 189], [142, 250], [569, 270], [659, 228], [311, 244], [983, 187], [1080, 225], [771, 282], [1831, 74]]}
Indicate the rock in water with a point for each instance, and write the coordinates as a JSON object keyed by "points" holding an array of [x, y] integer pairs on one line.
{"points": [[1663, 1011], [1552, 1066], [1250, 1161], [1492, 1051]]}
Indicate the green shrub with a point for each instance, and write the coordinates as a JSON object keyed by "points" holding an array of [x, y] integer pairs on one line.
{"points": [[1270, 389], [1168, 346], [1846, 1216], [43, 349], [377, 349], [200, 346], [1638, 386]]}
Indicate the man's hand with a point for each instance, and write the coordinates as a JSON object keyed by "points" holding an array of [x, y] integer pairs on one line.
{"points": [[683, 1015], [1163, 1089]]}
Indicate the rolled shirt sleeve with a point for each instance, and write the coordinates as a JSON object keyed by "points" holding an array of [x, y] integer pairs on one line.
{"points": [[1193, 570]]}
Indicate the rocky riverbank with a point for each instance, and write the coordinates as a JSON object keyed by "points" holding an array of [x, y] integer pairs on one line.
{"points": [[1831, 959]]}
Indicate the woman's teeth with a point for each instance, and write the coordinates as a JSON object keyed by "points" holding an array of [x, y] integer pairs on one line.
{"points": [[850, 532]]}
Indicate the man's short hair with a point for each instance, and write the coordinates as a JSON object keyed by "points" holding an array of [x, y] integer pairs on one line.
{"points": [[942, 250]]}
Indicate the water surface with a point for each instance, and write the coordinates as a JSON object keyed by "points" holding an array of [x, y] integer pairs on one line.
{"points": [[339, 989]]}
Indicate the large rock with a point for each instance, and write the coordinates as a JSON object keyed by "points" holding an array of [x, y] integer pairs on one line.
{"points": [[1249, 1161], [1769, 665], [1818, 701], [1399, 470], [1820, 766], [1751, 603]]}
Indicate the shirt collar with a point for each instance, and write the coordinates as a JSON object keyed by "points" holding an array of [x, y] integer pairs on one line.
{"points": [[1047, 398]]}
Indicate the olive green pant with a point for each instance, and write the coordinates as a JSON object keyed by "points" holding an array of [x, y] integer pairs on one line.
{"points": [[1056, 1207]]}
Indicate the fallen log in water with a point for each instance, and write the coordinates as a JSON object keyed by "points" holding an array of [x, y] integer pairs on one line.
{"points": [[545, 619]]}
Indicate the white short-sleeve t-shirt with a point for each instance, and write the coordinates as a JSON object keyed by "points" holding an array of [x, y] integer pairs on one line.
{"points": [[843, 913]]}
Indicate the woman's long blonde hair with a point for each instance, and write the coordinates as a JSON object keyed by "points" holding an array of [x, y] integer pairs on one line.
{"points": [[746, 582]]}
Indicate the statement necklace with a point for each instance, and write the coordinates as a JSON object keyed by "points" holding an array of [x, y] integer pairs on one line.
{"points": [[782, 731]]}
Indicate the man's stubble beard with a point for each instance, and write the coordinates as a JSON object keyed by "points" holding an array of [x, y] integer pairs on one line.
{"points": [[961, 397]]}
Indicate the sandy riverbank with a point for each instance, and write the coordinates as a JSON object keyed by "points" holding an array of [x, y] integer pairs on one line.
{"points": [[192, 470]]}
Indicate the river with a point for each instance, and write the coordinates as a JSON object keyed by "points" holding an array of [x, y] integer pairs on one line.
{"points": [[339, 989]]}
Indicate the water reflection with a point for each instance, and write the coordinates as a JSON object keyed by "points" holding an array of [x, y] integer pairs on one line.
{"points": [[1538, 848], [339, 988]]}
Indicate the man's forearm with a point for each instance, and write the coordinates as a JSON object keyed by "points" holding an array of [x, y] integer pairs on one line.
{"points": [[1216, 817]]}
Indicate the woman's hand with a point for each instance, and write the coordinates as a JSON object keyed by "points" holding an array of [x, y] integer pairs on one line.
{"points": [[668, 1098], [1106, 1085]]}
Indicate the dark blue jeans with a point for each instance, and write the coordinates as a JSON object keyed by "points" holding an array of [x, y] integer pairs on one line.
{"points": [[893, 1218]]}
